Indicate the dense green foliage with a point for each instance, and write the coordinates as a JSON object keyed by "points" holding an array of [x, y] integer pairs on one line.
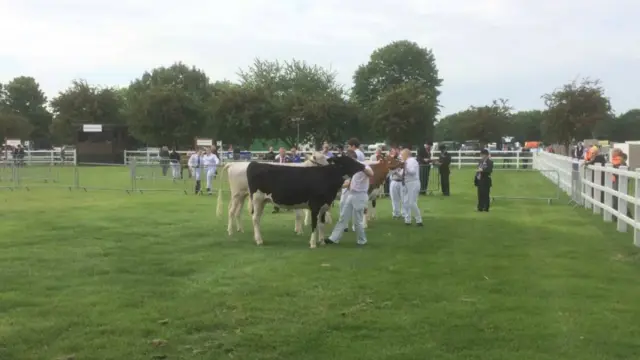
{"points": [[394, 97]]}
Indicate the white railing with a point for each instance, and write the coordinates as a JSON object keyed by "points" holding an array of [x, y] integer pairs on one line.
{"points": [[51, 157], [602, 189], [512, 159]]}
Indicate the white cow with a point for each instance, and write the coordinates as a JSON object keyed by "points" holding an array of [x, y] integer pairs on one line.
{"points": [[239, 188]]}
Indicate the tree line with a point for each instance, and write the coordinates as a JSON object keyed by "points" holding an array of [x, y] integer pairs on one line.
{"points": [[394, 97], [576, 111]]}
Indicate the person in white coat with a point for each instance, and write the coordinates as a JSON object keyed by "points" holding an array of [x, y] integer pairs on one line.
{"points": [[354, 205], [411, 187], [396, 190], [195, 166], [210, 161]]}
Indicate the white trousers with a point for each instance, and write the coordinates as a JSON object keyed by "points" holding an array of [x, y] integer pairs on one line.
{"points": [[175, 170], [395, 190], [195, 172], [354, 205], [211, 171], [410, 201], [343, 203]]}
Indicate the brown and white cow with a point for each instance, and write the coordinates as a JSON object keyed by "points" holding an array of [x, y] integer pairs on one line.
{"points": [[239, 188]]}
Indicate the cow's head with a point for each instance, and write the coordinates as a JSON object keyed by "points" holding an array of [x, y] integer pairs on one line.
{"points": [[317, 159], [347, 165], [392, 162]]}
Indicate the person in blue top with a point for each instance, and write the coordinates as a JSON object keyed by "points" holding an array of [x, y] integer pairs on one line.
{"points": [[295, 157]]}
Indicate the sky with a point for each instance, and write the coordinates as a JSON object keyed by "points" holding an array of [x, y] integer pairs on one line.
{"points": [[484, 49]]}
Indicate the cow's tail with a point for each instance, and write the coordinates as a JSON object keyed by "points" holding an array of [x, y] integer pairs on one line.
{"points": [[225, 169]]}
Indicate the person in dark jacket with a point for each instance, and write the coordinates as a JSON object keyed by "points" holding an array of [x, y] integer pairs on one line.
{"points": [[423, 156], [174, 159], [444, 161], [270, 155], [483, 182], [164, 160]]}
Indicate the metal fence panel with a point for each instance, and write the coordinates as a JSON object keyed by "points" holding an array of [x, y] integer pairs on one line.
{"points": [[521, 183]]}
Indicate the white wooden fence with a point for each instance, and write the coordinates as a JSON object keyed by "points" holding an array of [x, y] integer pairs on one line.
{"points": [[41, 157], [511, 159], [594, 188]]}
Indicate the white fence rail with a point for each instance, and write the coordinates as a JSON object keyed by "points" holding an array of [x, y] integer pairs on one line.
{"points": [[50, 157], [459, 159], [612, 193]]}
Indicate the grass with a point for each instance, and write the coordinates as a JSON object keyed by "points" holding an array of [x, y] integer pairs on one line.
{"points": [[106, 275]]}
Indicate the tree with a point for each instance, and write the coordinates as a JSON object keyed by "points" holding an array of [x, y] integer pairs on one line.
{"points": [[23, 96], [626, 126], [526, 125], [243, 113], [305, 101], [400, 67], [449, 128], [400, 112], [13, 126], [574, 111], [486, 124], [82, 103], [171, 105]]}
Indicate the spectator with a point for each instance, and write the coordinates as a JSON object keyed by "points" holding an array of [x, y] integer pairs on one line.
{"points": [[295, 157], [270, 155], [164, 160]]}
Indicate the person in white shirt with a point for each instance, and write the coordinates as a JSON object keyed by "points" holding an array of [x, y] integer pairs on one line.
{"points": [[210, 161], [354, 144], [411, 187], [396, 189], [355, 203], [377, 156], [195, 165]]}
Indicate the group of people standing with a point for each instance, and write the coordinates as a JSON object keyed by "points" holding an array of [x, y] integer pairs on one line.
{"points": [[201, 159]]}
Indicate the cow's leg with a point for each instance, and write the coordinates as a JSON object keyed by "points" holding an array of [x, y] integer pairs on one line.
{"points": [[327, 216], [365, 218], [238, 213], [373, 208], [233, 205], [315, 210], [298, 227], [322, 217], [258, 208], [307, 217]]}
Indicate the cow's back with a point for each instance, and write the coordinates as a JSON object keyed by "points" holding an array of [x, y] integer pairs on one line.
{"points": [[292, 185]]}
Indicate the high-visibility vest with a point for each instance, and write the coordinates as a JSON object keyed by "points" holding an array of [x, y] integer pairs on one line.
{"points": [[590, 153]]}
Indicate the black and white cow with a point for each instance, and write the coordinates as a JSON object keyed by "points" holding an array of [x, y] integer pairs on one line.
{"points": [[314, 188]]}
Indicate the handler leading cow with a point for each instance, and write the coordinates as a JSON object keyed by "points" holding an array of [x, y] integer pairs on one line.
{"points": [[298, 188], [239, 187]]}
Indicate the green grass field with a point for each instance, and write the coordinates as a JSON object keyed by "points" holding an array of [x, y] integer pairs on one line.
{"points": [[111, 275]]}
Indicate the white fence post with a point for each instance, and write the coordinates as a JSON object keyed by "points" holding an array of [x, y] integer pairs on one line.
{"points": [[636, 230], [459, 159], [588, 190], [623, 188], [518, 160], [608, 198]]}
